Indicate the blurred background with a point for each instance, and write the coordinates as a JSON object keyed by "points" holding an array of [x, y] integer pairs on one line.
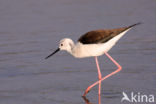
{"points": [[31, 29]]}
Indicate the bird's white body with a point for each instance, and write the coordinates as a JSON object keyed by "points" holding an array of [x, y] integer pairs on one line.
{"points": [[80, 50]]}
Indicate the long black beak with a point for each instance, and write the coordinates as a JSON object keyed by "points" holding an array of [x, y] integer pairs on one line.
{"points": [[52, 53]]}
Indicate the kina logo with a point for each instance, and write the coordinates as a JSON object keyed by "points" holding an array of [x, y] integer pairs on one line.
{"points": [[137, 97]]}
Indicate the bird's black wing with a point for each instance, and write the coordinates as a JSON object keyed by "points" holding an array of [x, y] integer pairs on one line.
{"points": [[102, 36]]}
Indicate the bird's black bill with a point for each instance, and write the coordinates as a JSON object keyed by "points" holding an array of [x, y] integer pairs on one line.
{"points": [[52, 53]]}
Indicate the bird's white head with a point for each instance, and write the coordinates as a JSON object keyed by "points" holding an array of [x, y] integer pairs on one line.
{"points": [[65, 44]]}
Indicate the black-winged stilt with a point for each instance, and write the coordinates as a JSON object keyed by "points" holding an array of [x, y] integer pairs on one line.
{"points": [[92, 44]]}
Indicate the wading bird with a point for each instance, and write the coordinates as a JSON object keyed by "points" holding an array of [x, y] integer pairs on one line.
{"points": [[92, 44]]}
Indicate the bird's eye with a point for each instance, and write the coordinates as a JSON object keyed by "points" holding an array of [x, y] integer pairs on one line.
{"points": [[61, 44]]}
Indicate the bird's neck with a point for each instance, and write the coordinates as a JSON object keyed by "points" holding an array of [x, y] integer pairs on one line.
{"points": [[72, 45], [74, 50]]}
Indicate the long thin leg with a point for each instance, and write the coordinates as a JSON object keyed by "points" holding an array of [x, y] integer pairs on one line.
{"points": [[99, 99], [99, 74], [119, 69]]}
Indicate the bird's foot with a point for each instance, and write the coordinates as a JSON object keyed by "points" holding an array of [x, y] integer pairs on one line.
{"points": [[85, 93]]}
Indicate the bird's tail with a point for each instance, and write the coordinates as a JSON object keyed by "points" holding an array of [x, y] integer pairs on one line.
{"points": [[134, 25]]}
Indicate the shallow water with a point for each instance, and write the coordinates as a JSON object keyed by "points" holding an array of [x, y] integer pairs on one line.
{"points": [[31, 29]]}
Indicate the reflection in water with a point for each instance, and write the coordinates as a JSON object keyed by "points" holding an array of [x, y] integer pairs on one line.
{"points": [[88, 102], [108, 94]]}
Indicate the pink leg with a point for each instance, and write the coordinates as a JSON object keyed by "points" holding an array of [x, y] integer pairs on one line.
{"points": [[119, 69], [99, 74], [99, 99]]}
